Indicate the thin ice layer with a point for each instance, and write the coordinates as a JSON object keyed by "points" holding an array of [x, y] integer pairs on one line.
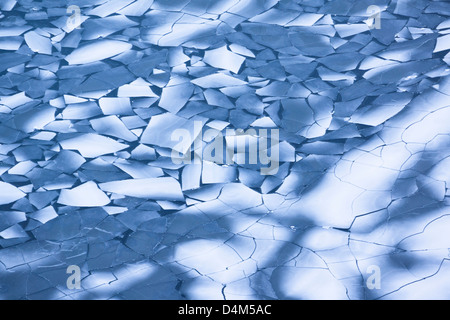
{"points": [[228, 149]]}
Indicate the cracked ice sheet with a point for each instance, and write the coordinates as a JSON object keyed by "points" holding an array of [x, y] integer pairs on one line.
{"points": [[88, 112]]}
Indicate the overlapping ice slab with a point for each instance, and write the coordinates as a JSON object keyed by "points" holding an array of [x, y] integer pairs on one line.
{"points": [[92, 94]]}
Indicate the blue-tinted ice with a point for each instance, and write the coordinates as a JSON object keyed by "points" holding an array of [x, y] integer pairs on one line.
{"points": [[91, 93]]}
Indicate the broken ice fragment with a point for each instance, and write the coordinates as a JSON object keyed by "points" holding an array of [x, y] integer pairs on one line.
{"points": [[347, 30], [217, 98], [173, 98], [342, 62], [43, 135], [9, 193], [109, 7], [264, 122], [213, 173], [305, 20], [191, 177], [67, 162], [177, 57], [115, 106], [217, 80], [38, 43], [101, 28], [273, 70], [85, 195], [111, 105], [82, 110], [22, 167], [112, 126], [207, 256], [8, 5], [135, 90], [312, 44], [44, 215], [16, 231], [137, 8], [243, 51], [240, 197], [35, 118], [275, 16], [385, 107], [224, 59], [251, 103], [153, 188], [15, 100], [91, 145], [443, 43], [142, 152], [427, 128], [163, 131], [10, 43], [97, 50], [139, 170], [8, 60], [186, 34], [10, 218]]}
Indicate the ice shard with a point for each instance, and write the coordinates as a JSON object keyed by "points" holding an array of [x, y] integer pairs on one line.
{"points": [[224, 149], [97, 51], [157, 188]]}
